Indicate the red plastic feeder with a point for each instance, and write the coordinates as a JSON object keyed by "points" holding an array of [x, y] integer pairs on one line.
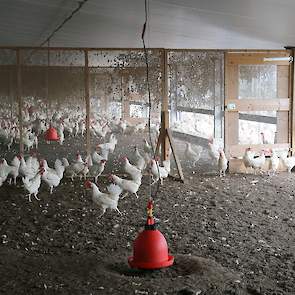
{"points": [[51, 134], [150, 249]]}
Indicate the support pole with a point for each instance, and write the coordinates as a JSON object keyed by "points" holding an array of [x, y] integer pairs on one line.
{"points": [[87, 102], [292, 96], [19, 99], [11, 93], [165, 103], [165, 140]]}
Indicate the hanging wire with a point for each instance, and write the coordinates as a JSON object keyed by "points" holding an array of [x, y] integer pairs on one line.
{"points": [[80, 5], [71, 15], [152, 196]]}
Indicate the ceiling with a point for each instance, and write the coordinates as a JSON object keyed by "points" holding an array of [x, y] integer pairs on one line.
{"points": [[221, 24]]}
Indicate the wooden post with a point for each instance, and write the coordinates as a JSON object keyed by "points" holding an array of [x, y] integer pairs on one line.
{"points": [[87, 102], [19, 99], [11, 92], [292, 97], [165, 103], [125, 98], [47, 84]]}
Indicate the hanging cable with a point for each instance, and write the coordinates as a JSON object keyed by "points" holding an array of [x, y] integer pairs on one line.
{"points": [[152, 196], [76, 10], [80, 5]]}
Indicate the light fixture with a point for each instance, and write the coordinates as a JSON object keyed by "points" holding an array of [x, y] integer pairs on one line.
{"points": [[282, 58]]}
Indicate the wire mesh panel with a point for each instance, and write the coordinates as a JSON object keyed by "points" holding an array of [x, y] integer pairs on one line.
{"points": [[53, 96], [119, 97], [197, 92], [257, 82], [9, 127]]}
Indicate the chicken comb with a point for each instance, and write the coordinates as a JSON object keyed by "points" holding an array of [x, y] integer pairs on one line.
{"points": [[88, 184]]}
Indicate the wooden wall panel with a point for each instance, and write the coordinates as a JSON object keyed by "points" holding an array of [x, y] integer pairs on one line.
{"points": [[283, 116], [231, 119]]}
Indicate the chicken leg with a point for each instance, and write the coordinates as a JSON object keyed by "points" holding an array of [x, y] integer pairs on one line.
{"points": [[35, 195]]}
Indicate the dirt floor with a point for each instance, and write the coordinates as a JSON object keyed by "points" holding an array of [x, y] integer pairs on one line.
{"points": [[232, 235]]}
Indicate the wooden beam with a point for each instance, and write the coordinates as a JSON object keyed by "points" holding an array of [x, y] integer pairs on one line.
{"points": [[283, 115], [87, 103], [177, 161], [195, 110], [237, 166], [258, 118], [231, 119], [19, 99], [230, 50], [11, 92], [292, 95], [165, 103], [251, 105], [164, 138], [257, 58]]}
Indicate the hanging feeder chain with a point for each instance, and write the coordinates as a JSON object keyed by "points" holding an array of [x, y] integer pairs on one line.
{"points": [[150, 101]]}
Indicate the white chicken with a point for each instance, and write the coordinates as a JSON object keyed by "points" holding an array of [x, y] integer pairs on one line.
{"points": [[122, 126], [32, 185], [140, 160], [289, 162], [274, 162], [97, 157], [96, 169], [69, 169], [132, 170], [50, 178], [192, 155], [160, 172], [78, 168], [61, 136], [222, 163], [109, 146], [213, 150], [4, 171], [265, 140], [258, 162], [14, 172], [129, 186], [105, 200], [248, 155]]}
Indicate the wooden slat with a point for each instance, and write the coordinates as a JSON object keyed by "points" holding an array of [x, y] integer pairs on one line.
{"points": [[134, 121], [165, 102], [177, 161], [238, 150], [283, 116], [257, 58], [237, 166], [251, 105], [231, 119], [292, 93]]}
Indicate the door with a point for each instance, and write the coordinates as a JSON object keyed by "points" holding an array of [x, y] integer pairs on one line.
{"points": [[257, 103]]}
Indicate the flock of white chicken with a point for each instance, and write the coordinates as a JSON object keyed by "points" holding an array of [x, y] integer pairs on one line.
{"points": [[252, 161], [216, 155], [70, 122], [257, 164], [33, 170]]}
